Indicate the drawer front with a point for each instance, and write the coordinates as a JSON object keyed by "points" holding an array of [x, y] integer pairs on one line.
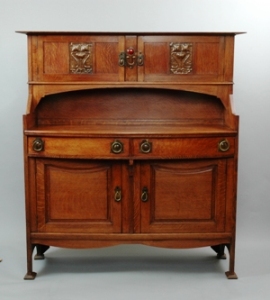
{"points": [[184, 147], [78, 147], [142, 148]]}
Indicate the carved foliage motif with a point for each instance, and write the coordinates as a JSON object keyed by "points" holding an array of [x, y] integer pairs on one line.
{"points": [[81, 58], [181, 58]]}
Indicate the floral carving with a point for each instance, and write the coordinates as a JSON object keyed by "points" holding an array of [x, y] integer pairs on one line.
{"points": [[81, 58], [181, 58]]}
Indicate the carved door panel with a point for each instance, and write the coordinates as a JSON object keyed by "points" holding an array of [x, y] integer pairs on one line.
{"points": [[183, 196], [181, 58], [78, 196], [78, 58]]}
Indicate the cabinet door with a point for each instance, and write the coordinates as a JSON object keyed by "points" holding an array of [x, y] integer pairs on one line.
{"points": [[183, 58], [183, 196], [77, 58], [78, 196]]}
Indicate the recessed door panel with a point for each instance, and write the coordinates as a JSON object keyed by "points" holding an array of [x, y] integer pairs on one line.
{"points": [[83, 58], [75, 196], [181, 58], [184, 196]]}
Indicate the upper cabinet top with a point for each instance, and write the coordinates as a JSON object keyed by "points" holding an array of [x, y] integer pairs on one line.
{"points": [[125, 58], [37, 32]]}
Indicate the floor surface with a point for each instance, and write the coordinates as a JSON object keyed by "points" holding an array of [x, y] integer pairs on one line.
{"points": [[130, 272]]}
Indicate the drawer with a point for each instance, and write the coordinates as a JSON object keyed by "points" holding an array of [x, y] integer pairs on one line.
{"points": [[78, 147], [184, 147]]}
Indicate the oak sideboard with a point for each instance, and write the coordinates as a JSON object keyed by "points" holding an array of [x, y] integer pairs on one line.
{"points": [[130, 138]]}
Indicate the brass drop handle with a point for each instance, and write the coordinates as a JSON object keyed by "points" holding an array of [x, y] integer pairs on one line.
{"points": [[38, 145], [117, 194], [117, 147], [146, 146], [223, 145], [131, 58], [144, 196]]}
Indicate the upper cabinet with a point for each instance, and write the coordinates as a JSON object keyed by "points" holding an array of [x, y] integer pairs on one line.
{"points": [[101, 57], [72, 61]]}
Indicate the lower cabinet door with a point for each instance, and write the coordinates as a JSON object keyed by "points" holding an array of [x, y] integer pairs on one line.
{"points": [[183, 196], [78, 196]]}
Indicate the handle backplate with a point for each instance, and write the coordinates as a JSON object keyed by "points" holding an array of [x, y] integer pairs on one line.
{"points": [[146, 146], [144, 195], [131, 58], [117, 147], [38, 145], [223, 145], [117, 194]]}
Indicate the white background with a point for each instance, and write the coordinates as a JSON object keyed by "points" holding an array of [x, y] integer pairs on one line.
{"points": [[132, 272]]}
